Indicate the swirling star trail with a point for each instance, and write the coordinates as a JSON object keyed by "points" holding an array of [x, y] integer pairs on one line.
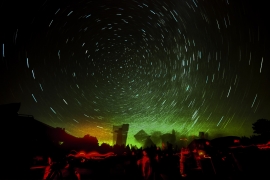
{"points": [[158, 65]]}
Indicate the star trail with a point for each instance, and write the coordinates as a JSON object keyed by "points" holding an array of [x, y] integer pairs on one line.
{"points": [[188, 65]]}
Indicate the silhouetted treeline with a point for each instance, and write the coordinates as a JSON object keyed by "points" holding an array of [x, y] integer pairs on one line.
{"points": [[261, 130]]}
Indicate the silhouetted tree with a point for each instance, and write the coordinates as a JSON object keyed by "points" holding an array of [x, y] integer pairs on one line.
{"points": [[261, 127], [90, 139], [88, 142], [104, 148]]}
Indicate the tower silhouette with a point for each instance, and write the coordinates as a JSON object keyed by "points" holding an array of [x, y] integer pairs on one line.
{"points": [[120, 134]]}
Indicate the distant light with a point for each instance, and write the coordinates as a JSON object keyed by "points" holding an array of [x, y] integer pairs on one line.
{"points": [[51, 23], [27, 62], [60, 142], [33, 74], [70, 13], [261, 65], [53, 110], [40, 87], [57, 11], [3, 50], [34, 97], [65, 101]]}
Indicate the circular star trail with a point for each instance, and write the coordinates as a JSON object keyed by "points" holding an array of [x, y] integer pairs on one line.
{"points": [[157, 65]]}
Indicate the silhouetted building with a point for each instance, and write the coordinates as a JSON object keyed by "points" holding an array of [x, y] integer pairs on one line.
{"points": [[201, 135], [115, 132], [168, 138], [141, 136], [120, 134], [148, 142]]}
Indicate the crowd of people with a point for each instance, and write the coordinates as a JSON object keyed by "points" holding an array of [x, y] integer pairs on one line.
{"points": [[145, 164], [151, 163]]}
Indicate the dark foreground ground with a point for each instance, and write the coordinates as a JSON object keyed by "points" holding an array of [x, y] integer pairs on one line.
{"points": [[248, 164]]}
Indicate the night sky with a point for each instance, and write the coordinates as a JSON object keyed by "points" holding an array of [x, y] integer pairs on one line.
{"points": [[188, 65]]}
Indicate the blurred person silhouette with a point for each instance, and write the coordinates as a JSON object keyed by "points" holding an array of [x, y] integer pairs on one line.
{"points": [[145, 165], [54, 164], [54, 170], [132, 170], [47, 168], [156, 166], [71, 162]]}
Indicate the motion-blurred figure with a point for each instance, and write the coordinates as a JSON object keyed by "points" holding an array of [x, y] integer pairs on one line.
{"points": [[71, 166], [47, 169], [183, 154], [156, 166], [145, 165]]}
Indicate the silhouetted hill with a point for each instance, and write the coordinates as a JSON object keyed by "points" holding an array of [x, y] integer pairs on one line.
{"points": [[34, 136]]}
